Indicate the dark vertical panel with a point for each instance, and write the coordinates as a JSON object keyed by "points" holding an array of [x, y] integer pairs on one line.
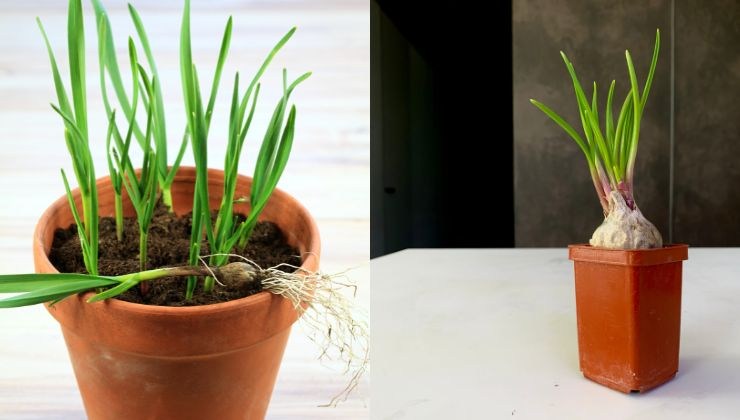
{"points": [[377, 227], [707, 136], [391, 180], [555, 201], [425, 160], [442, 126]]}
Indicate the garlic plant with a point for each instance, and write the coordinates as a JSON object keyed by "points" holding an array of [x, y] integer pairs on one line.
{"points": [[611, 153]]}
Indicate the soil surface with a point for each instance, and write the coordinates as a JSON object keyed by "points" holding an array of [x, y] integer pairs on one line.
{"points": [[168, 245]]}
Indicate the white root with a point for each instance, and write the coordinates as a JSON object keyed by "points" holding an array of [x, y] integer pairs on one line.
{"points": [[327, 312], [625, 228]]}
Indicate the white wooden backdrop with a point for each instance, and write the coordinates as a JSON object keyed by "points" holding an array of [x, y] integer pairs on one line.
{"points": [[328, 171]]}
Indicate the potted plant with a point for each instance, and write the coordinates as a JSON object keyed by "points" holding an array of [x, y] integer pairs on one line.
{"points": [[179, 285], [628, 284]]}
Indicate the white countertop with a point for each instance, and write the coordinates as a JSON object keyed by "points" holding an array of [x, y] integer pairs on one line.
{"points": [[491, 334]]}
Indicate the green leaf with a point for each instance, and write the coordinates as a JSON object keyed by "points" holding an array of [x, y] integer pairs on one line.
{"points": [[58, 84], [282, 155], [52, 293], [76, 42], [114, 291], [595, 104], [651, 73], [102, 60], [637, 113], [566, 127], [19, 283], [580, 96], [265, 64], [115, 176], [619, 134], [604, 154], [114, 73], [225, 42], [160, 136], [76, 147], [268, 149], [73, 208], [178, 159], [609, 123]]}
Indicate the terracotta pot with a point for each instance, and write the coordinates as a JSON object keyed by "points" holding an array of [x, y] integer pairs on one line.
{"points": [[216, 361], [628, 305]]}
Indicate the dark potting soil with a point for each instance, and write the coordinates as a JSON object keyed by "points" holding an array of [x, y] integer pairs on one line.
{"points": [[168, 245]]}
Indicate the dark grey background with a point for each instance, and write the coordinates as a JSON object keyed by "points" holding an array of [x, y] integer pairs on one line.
{"points": [[447, 130], [687, 176]]}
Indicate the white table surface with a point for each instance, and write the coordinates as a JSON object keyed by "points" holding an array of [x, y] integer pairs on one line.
{"points": [[491, 334]]}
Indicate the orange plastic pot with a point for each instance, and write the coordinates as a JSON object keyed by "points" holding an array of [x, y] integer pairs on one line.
{"points": [[628, 305], [216, 361]]}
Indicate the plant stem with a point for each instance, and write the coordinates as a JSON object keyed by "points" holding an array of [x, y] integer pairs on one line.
{"points": [[119, 217], [208, 283], [599, 190], [143, 287], [142, 249], [167, 272], [245, 237], [167, 197]]}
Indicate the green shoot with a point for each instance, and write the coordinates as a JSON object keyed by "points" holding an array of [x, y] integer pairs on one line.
{"points": [[109, 62], [198, 130], [610, 153], [74, 116], [142, 190], [143, 187], [115, 176], [227, 233], [270, 163], [272, 159], [42, 288]]}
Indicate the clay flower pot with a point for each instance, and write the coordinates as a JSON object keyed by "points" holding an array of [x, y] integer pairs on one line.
{"points": [[216, 361], [628, 305]]}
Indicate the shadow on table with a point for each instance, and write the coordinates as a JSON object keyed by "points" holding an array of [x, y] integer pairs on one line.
{"points": [[700, 376]]}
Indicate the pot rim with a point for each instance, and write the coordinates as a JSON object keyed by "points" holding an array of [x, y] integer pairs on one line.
{"points": [[185, 173], [629, 257]]}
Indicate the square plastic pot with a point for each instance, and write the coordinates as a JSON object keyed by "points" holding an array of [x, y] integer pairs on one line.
{"points": [[628, 305]]}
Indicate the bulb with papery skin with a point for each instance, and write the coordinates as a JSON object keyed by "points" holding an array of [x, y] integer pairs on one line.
{"points": [[625, 228]]}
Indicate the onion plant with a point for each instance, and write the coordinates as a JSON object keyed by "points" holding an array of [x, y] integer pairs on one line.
{"points": [[74, 116], [611, 150]]}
